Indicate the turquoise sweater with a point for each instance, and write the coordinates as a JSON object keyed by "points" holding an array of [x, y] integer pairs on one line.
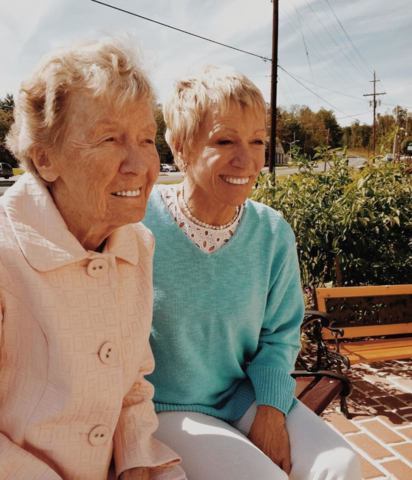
{"points": [[226, 325]]}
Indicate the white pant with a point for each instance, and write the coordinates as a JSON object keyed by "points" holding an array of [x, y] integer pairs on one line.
{"points": [[212, 449]]}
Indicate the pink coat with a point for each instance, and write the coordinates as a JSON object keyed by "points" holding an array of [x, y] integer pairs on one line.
{"points": [[74, 346]]}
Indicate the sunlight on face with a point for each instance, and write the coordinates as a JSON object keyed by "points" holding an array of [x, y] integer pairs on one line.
{"points": [[228, 154], [109, 162]]}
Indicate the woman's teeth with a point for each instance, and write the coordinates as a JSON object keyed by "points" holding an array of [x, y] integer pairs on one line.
{"points": [[128, 193], [236, 181]]}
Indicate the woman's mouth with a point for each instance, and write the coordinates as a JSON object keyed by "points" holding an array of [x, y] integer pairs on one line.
{"points": [[235, 180], [128, 193]]}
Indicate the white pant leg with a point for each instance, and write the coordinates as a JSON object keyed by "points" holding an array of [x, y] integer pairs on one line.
{"points": [[211, 449], [317, 451]]}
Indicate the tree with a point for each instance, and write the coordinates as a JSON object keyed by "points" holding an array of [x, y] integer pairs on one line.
{"points": [[331, 124], [6, 121], [309, 129], [7, 103], [163, 148]]}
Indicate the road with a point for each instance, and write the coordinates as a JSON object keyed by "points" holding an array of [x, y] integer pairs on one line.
{"points": [[176, 177]]}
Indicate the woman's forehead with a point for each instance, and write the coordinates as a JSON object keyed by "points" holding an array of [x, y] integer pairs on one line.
{"points": [[217, 117], [102, 111]]}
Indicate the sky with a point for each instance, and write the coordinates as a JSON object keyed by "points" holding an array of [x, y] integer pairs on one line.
{"points": [[335, 64]]}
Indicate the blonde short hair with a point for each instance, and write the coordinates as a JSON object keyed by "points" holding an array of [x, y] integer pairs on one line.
{"points": [[108, 67], [194, 95]]}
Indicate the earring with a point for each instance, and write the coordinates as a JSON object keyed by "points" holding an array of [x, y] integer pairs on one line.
{"points": [[185, 165]]}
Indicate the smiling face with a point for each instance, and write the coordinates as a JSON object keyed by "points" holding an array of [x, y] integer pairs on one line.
{"points": [[107, 166], [227, 155]]}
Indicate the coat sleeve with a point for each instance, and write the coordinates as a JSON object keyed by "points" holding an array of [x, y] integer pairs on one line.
{"points": [[279, 341], [15, 462], [134, 445]]}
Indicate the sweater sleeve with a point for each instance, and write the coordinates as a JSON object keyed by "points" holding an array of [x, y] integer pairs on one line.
{"points": [[279, 341]]}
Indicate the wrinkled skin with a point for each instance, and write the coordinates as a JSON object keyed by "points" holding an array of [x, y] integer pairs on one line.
{"points": [[105, 151], [268, 432]]}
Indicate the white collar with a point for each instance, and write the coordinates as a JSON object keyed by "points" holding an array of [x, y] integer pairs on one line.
{"points": [[42, 234]]}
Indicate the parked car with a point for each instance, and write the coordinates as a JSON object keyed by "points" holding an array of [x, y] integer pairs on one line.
{"points": [[168, 167], [5, 170], [165, 167]]}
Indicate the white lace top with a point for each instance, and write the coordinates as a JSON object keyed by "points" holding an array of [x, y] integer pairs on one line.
{"points": [[206, 239]]}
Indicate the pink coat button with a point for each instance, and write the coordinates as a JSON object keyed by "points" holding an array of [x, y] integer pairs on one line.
{"points": [[99, 435], [108, 353], [97, 268]]}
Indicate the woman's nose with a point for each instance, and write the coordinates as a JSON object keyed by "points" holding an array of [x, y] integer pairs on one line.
{"points": [[243, 156], [134, 162]]}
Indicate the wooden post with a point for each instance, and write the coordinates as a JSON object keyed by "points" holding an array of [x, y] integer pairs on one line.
{"points": [[273, 98]]}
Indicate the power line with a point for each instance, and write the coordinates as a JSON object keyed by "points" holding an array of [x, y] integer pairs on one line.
{"points": [[393, 105], [306, 48], [345, 73], [357, 51], [356, 114], [343, 40], [285, 94], [265, 59], [291, 89], [330, 90], [354, 46], [307, 88], [320, 21]]}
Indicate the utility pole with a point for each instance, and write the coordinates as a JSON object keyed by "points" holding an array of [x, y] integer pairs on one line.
{"points": [[395, 134], [327, 144], [374, 95], [274, 83]]}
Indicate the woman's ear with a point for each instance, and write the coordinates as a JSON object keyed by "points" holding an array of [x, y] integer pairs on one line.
{"points": [[45, 164], [178, 154]]}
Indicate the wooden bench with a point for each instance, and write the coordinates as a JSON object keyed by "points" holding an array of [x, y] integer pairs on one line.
{"points": [[372, 323], [318, 389], [317, 385]]}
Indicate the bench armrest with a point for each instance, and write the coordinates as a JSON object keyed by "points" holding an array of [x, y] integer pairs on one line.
{"points": [[314, 321]]}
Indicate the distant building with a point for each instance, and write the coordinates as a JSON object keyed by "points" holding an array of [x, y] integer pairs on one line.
{"points": [[280, 158], [280, 153]]}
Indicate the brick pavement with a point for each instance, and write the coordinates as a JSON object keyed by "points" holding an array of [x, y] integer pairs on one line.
{"points": [[381, 426]]}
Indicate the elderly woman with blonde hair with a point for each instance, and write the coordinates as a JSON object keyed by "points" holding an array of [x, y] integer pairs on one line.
{"points": [[228, 301], [75, 277]]}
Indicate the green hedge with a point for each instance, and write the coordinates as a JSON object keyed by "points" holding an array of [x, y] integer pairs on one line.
{"points": [[352, 227]]}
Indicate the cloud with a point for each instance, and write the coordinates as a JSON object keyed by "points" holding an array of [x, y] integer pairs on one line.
{"points": [[378, 28]]}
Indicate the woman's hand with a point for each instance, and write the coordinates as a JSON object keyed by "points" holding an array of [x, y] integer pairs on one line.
{"points": [[268, 432], [136, 474]]}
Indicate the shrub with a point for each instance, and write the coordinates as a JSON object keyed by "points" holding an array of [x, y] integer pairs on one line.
{"points": [[351, 227]]}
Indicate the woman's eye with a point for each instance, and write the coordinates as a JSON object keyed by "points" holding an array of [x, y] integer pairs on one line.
{"points": [[149, 141], [224, 142], [109, 139], [259, 142]]}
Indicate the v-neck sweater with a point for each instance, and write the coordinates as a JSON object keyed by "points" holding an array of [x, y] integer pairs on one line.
{"points": [[226, 326]]}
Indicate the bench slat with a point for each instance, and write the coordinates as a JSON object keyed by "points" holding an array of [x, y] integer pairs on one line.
{"points": [[319, 397], [372, 330], [376, 350], [302, 384], [378, 344], [368, 291]]}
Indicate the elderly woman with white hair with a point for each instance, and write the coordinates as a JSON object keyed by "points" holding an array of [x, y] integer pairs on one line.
{"points": [[228, 301], [75, 278]]}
